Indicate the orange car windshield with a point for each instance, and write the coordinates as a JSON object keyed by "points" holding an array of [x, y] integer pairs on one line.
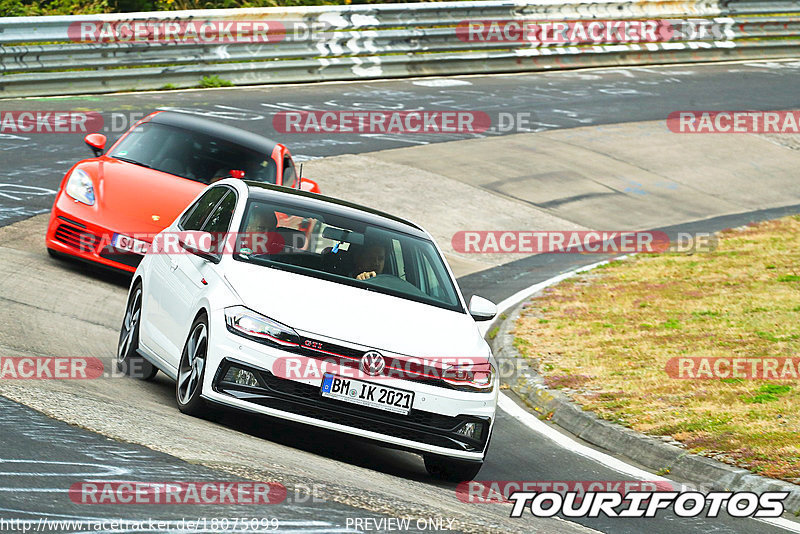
{"points": [[193, 155]]}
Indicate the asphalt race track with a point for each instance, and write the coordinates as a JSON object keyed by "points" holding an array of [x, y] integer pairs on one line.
{"points": [[361, 480]]}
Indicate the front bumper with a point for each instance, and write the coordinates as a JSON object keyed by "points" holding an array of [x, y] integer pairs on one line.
{"points": [[430, 427], [71, 235]]}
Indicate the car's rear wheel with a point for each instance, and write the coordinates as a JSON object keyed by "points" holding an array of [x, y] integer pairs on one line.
{"points": [[451, 469], [128, 359], [189, 386]]}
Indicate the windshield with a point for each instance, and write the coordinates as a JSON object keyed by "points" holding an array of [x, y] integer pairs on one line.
{"points": [[192, 155], [345, 250]]}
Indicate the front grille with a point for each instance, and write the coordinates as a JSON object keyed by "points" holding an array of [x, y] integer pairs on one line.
{"points": [[347, 357], [303, 399], [76, 238]]}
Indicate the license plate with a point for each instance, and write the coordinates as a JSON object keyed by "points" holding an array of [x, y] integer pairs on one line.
{"points": [[129, 244], [367, 394]]}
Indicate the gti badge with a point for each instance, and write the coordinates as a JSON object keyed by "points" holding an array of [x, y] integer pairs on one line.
{"points": [[372, 363]]}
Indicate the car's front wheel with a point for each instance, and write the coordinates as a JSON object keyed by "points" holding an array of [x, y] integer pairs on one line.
{"points": [[128, 359], [451, 469], [189, 386]]}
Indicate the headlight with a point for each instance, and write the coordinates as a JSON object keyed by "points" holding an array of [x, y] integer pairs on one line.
{"points": [[80, 187], [247, 323], [477, 377]]}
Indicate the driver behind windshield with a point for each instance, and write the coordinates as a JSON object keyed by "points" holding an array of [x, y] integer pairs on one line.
{"points": [[260, 232], [369, 261]]}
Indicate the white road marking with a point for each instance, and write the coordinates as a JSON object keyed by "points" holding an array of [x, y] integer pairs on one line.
{"points": [[9, 190], [34, 490], [228, 112], [12, 136], [110, 470], [441, 82], [565, 442]]}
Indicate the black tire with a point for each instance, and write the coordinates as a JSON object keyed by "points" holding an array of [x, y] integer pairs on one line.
{"points": [[451, 469], [192, 369], [128, 359]]}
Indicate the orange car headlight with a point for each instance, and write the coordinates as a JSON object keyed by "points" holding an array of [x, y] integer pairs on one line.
{"points": [[80, 187]]}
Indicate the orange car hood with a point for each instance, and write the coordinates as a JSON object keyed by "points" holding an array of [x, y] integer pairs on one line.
{"points": [[133, 199]]}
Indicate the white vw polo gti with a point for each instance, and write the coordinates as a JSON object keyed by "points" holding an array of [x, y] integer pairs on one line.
{"points": [[319, 311]]}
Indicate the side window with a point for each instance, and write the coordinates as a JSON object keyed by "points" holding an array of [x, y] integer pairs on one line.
{"points": [[220, 219], [289, 174], [197, 215]]}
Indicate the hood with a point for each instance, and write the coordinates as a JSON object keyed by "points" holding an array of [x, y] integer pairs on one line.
{"points": [[351, 314], [129, 196]]}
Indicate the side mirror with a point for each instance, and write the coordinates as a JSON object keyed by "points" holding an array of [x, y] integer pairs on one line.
{"points": [[309, 185], [200, 244], [97, 142], [481, 309]]}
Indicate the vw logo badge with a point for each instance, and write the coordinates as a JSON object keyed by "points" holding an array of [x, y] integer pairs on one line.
{"points": [[372, 363]]}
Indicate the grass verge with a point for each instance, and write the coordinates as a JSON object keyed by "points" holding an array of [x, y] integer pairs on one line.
{"points": [[604, 338]]}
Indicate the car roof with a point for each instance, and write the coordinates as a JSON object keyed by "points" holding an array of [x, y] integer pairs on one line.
{"points": [[235, 135], [335, 206]]}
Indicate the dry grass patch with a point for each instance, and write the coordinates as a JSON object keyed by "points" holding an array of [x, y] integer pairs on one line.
{"points": [[604, 338]]}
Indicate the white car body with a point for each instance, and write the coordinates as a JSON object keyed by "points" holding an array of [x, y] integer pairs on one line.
{"points": [[177, 287]]}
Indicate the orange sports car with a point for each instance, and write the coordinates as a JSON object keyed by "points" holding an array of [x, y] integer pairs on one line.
{"points": [[108, 207]]}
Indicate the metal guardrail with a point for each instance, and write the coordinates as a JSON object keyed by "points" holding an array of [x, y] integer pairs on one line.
{"points": [[46, 56]]}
